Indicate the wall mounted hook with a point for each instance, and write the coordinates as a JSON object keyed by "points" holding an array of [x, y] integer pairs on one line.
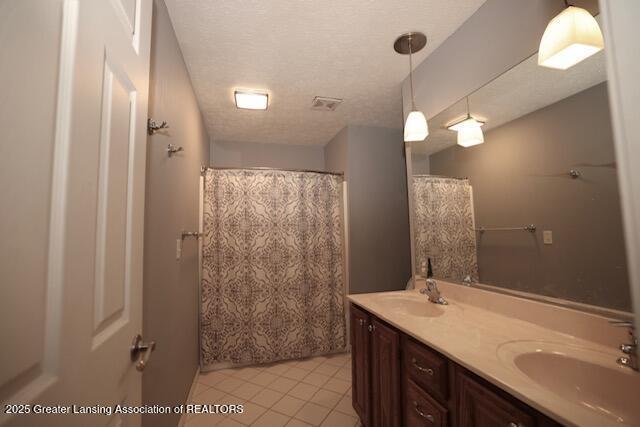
{"points": [[173, 149], [153, 126]]}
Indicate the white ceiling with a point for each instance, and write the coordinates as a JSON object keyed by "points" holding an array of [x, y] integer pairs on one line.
{"points": [[297, 49], [525, 88]]}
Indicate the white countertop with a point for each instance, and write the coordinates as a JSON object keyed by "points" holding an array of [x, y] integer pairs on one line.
{"points": [[478, 328]]}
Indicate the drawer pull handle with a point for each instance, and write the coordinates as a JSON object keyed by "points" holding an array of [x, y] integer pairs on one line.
{"points": [[428, 417], [372, 328], [514, 424], [361, 321], [420, 368]]}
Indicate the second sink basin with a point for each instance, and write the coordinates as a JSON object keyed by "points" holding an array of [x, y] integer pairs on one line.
{"points": [[583, 376]]}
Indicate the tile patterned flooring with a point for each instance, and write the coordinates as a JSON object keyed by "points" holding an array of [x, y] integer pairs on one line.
{"points": [[295, 393]]}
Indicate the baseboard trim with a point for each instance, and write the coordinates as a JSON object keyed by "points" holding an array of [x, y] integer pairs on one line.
{"points": [[194, 383]]}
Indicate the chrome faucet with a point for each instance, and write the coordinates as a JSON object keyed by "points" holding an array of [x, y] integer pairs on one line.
{"points": [[433, 293], [631, 349]]}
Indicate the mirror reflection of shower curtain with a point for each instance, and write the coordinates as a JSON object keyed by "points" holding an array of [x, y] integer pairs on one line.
{"points": [[273, 278], [445, 227]]}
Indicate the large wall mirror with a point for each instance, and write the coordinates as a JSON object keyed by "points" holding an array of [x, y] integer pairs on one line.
{"points": [[535, 208]]}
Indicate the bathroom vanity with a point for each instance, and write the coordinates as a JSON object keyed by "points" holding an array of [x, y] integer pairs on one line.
{"points": [[397, 378], [485, 360]]}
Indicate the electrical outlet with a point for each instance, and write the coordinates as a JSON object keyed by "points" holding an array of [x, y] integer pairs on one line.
{"points": [[547, 237]]}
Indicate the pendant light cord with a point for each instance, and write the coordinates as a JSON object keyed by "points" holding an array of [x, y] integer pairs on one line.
{"points": [[413, 101], [468, 111]]}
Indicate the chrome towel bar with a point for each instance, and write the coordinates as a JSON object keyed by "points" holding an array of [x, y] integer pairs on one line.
{"points": [[193, 234], [531, 228]]}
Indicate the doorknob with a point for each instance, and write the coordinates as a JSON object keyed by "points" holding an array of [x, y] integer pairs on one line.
{"points": [[141, 351]]}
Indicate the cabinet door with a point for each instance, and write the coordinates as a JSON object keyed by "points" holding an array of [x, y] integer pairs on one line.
{"points": [[360, 364], [481, 407], [385, 375]]}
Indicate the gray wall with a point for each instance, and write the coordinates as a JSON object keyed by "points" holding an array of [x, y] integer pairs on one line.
{"points": [[251, 154], [375, 170], [170, 286], [519, 176], [335, 152], [498, 36], [420, 164]]}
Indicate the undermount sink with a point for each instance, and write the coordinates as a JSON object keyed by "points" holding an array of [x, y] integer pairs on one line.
{"points": [[583, 376], [417, 306]]}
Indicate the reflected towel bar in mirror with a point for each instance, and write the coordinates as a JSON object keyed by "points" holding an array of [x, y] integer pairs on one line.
{"points": [[196, 235], [531, 228]]}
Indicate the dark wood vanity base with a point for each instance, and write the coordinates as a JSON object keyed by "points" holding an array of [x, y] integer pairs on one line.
{"points": [[398, 381]]}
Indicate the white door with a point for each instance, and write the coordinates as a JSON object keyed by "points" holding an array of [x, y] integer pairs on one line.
{"points": [[73, 105]]}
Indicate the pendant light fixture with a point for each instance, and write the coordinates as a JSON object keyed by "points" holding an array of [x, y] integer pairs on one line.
{"points": [[469, 132], [571, 37], [415, 127]]}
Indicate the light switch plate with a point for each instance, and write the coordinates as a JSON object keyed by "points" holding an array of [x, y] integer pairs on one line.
{"points": [[547, 237], [178, 249]]}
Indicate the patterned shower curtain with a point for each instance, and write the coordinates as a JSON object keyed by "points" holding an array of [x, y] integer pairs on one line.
{"points": [[272, 283], [445, 229]]}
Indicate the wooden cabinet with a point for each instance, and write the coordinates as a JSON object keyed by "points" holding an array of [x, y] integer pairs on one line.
{"points": [[398, 381], [482, 407], [375, 373], [385, 379], [360, 364]]}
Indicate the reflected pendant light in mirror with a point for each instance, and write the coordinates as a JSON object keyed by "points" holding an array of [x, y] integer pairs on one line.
{"points": [[469, 130], [470, 136], [571, 37], [415, 127]]}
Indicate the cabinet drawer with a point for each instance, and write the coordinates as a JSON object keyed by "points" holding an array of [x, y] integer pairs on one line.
{"points": [[426, 368], [422, 410]]}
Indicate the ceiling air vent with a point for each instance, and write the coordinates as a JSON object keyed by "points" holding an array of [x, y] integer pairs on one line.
{"points": [[322, 103]]}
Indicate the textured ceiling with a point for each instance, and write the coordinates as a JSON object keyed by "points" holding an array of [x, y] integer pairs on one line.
{"points": [[297, 49], [521, 90]]}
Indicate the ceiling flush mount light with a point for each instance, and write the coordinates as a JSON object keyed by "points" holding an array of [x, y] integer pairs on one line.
{"points": [[415, 128], [572, 36], [469, 132], [251, 100]]}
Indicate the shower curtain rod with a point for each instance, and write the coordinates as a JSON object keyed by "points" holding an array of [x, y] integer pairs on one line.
{"points": [[341, 174], [439, 176]]}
